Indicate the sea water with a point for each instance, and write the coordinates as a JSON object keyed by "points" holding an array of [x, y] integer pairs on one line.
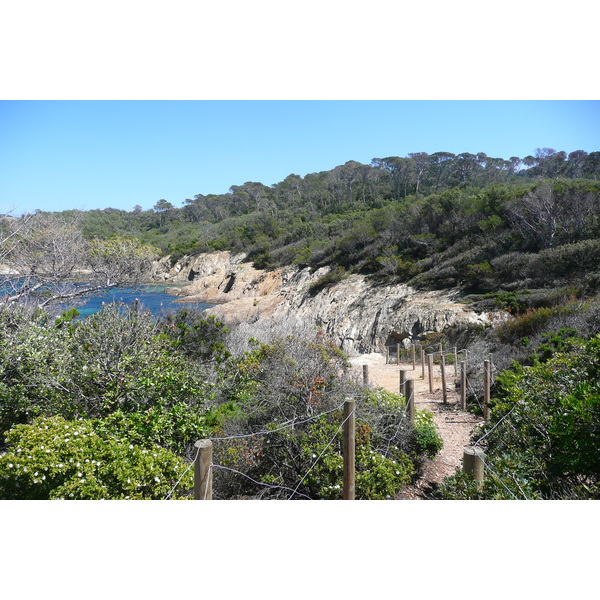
{"points": [[155, 298]]}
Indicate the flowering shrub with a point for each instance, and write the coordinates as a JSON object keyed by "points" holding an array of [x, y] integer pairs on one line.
{"points": [[58, 459]]}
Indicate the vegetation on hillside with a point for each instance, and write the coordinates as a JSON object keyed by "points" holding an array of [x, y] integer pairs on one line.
{"points": [[435, 220]]}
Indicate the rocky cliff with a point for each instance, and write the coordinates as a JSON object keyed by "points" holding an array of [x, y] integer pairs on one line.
{"points": [[358, 314]]}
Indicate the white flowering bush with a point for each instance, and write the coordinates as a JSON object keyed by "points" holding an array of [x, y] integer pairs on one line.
{"points": [[53, 458]]}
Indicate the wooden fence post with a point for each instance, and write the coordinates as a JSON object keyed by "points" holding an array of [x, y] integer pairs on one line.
{"points": [[463, 385], [413, 357], [203, 471], [443, 370], [430, 368], [366, 374], [349, 449], [422, 363], [410, 399], [473, 463], [397, 354], [455, 362], [402, 381], [486, 389]]}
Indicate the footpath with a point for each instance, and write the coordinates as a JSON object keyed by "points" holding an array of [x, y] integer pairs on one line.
{"points": [[454, 425]]}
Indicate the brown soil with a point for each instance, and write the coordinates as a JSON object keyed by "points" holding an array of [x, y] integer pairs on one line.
{"points": [[453, 424]]}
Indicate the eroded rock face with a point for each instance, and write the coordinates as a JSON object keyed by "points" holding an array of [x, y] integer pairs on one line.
{"points": [[358, 314]]}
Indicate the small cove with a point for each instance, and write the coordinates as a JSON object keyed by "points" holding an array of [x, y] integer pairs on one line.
{"points": [[154, 297]]}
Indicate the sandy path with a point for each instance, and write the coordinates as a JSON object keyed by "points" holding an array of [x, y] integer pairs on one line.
{"points": [[454, 425]]}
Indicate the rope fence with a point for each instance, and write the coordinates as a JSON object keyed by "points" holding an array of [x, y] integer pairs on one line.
{"points": [[203, 464], [473, 460]]}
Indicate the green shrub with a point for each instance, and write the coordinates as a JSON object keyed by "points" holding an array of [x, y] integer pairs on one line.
{"points": [[543, 436], [115, 364], [58, 459], [309, 461], [427, 438]]}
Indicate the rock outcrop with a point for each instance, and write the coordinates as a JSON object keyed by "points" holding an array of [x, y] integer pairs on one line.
{"points": [[361, 316]]}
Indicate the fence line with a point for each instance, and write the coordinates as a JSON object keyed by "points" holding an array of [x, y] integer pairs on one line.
{"points": [[190, 466], [266, 432], [409, 402], [291, 424], [269, 485], [323, 452]]}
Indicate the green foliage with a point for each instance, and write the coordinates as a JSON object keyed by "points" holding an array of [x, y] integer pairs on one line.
{"points": [[308, 462], [198, 337], [114, 365], [58, 459], [534, 321], [543, 436], [427, 438], [304, 382], [555, 341]]}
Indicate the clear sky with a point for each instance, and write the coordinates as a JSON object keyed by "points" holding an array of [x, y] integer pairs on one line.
{"points": [[57, 155]]}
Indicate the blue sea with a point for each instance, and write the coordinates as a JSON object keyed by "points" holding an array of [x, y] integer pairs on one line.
{"points": [[155, 298]]}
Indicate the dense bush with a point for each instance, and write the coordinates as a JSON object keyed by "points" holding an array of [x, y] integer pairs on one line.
{"points": [[53, 458], [543, 436], [114, 365]]}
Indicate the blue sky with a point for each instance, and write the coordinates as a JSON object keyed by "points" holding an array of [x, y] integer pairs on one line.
{"points": [[129, 102], [57, 155]]}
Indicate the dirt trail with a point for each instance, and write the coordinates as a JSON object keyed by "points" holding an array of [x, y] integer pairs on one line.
{"points": [[454, 425]]}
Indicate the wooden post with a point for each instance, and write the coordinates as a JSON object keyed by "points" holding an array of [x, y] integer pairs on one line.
{"points": [[366, 374], [430, 368], [402, 381], [349, 449], [441, 349], [413, 357], [203, 471], [486, 389], [467, 356], [410, 399], [473, 463], [443, 370], [455, 362], [422, 363], [397, 354], [463, 385]]}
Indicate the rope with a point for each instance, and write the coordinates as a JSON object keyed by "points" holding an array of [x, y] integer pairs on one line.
{"points": [[281, 487], [179, 480], [496, 425], [287, 426], [486, 465], [323, 452]]}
